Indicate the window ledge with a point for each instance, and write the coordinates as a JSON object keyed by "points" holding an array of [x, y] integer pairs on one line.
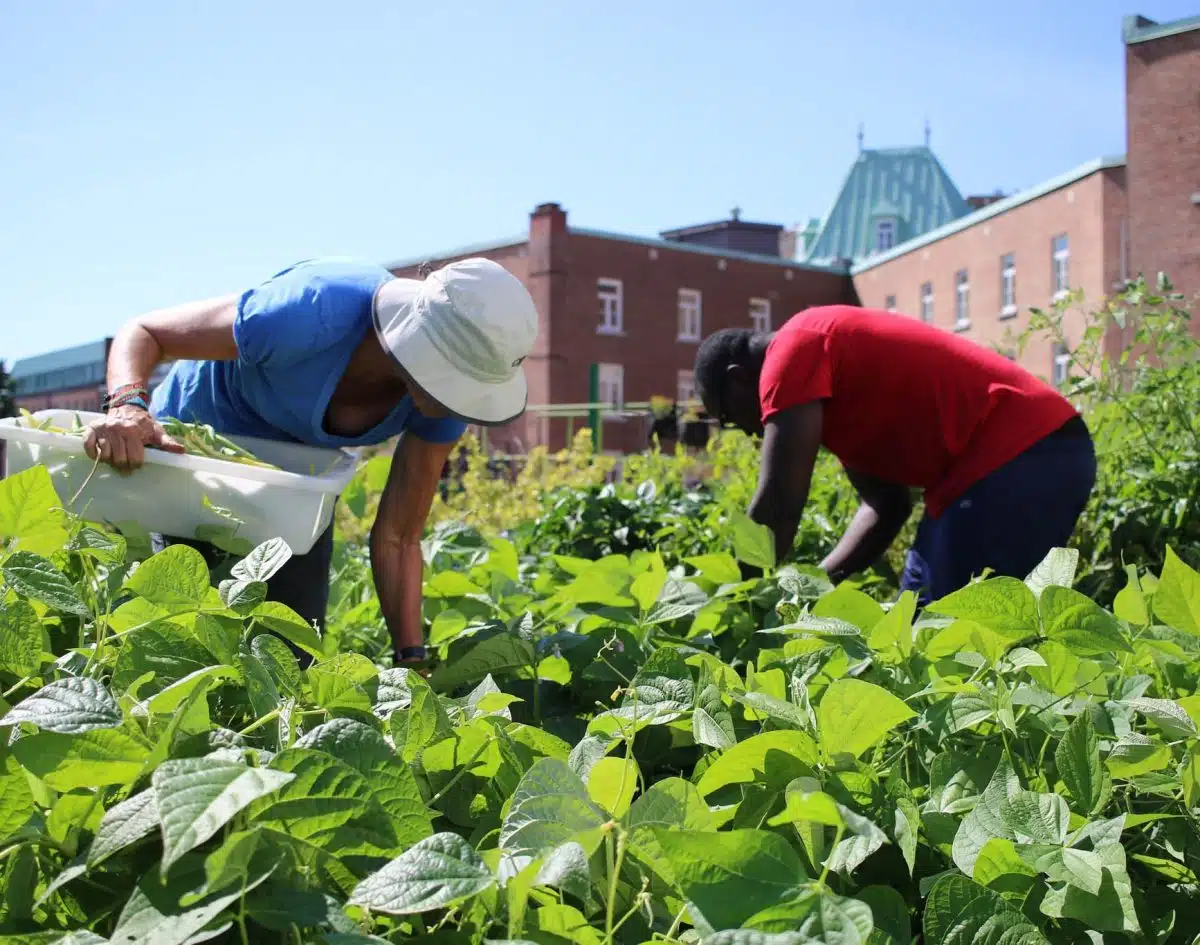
{"points": [[611, 332], [1009, 311], [688, 339], [963, 325]]}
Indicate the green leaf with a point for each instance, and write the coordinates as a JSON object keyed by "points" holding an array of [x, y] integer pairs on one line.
{"points": [[164, 649], [1134, 754], [423, 723], [21, 638], [646, 587], [434, 873], [280, 663], [550, 807], [753, 544], [1170, 716], [819, 916], [123, 826], [503, 653], [851, 605], [612, 783], [37, 578], [30, 512], [987, 819], [1110, 909], [281, 619], [229, 863], [671, 802], [1083, 627], [712, 725], [68, 706], [1056, 570], [89, 759], [1130, 602], [730, 876], [196, 797], [719, 568], [894, 629], [1036, 818], [338, 683], [855, 715], [1177, 599], [851, 851], [1078, 760], [264, 562], [17, 803], [1003, 605], [776, 756], [961, 912], [176, 579]]}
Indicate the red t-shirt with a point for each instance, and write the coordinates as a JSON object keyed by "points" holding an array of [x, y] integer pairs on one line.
{"points": [[906, 402]]}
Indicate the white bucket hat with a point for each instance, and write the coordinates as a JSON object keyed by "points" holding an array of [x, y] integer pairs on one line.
{"points": [[462, 335]]}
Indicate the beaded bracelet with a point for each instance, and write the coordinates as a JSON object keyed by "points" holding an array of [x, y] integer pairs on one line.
{"points": [[126, 393]]}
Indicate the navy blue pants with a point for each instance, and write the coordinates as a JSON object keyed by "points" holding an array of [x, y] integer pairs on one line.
{"points": [[1009, 520]]}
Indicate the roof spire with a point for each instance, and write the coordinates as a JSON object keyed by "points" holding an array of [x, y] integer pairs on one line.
{"points": [[928, 131], [860, 137], [736, 213]]}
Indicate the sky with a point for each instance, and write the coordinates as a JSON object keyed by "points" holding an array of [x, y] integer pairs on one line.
{"points": [[157, 152]]}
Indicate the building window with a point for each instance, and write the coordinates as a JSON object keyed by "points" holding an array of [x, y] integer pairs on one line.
{"points": [[962, 301], [760, 315], [927, 302], [612, 314], [889, 303], [685, 388], [612, 384], [689, 315], [1008, 286], [1060, 260], [1060, 370], [885, 235]]}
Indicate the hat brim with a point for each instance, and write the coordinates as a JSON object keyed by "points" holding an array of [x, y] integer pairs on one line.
{"points": [[466, 398]]}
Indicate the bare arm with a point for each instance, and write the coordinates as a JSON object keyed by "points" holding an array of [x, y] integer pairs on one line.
{"points": [[396, 560], [201, 331], [791, 441], [884, 510]]}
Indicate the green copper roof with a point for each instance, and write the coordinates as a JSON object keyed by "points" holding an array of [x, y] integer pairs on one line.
{"points": [[1139, 29], [906, 185]]}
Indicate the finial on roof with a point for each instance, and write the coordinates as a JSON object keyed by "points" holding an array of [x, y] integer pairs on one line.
{"points": [[928, 132], [860, 137]]}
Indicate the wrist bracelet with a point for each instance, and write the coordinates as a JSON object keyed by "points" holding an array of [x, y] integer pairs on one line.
{"points": [[130, 400], [126, 393], [411, 653]]}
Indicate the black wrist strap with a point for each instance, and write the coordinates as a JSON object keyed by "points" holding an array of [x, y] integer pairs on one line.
{"points": [[411, 653]]}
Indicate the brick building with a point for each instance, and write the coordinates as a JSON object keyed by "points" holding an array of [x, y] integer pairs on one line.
{"points": [[639, 308], [68, 379]]}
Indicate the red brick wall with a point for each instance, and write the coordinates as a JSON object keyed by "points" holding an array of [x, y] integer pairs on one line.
{"points": [[1088, 211], [1162, 78], [85, 398]]}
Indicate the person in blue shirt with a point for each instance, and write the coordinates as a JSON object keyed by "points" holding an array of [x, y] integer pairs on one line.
{"points": [[334, 353]]}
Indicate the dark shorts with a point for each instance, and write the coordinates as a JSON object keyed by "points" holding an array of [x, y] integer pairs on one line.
{"points": [[302, 584], [1009, 520]]}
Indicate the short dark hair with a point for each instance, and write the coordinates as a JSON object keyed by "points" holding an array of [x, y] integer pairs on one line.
{"points": [[720, 350]]}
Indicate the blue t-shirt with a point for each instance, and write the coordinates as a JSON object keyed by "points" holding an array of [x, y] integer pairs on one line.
{"points": [[295, 336]]}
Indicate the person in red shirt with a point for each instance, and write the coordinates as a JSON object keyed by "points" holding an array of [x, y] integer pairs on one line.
{"points": [[1005, 463]]}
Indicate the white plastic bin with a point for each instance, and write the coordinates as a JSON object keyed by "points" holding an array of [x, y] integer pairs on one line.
{"points": [[167, 494]]}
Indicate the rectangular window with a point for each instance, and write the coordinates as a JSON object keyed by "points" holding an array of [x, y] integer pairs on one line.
{"points": [[685, 388], [962, 301], [612, 384], [1008, 286], [1060, 370], [689, 315], [760, 315], [885, 235], [1060, 261], [927, 302], [889, 303], [612, 316]]}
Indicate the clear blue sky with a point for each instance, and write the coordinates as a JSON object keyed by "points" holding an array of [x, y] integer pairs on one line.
{"points": [[152, 152]]}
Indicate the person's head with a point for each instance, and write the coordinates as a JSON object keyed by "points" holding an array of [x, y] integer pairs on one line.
{"points": [[728, 366], [459, 337]]}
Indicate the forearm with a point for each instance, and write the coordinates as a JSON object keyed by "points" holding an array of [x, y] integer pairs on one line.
{"points": [[201, 331], [868, 536], [134, 355], [398, 569]]}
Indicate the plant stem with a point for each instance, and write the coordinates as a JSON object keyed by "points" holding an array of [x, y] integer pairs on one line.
{"points": [[615, 863], [461, 771]]}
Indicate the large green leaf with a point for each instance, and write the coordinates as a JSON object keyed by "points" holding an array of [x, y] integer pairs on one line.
{"points": [[434, 873], [196, 797], [1078, 760], [124, 825], [854, 715], [1110, 908], [30, 512], [22, 638], [17, 803], [1073, 621], [164, 649], [176, 579], [961, 912], [38, 579], [339, 684], [264, 562], [68, 706], [550, 807], [851, 605], [281, 619], [776, 756], [611, 784], [753, 544], [1177, 599], [730, 876], [987, 819], [1003, 605], [501, 654], [89, 759], [1056, 570], [821, 916]]}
